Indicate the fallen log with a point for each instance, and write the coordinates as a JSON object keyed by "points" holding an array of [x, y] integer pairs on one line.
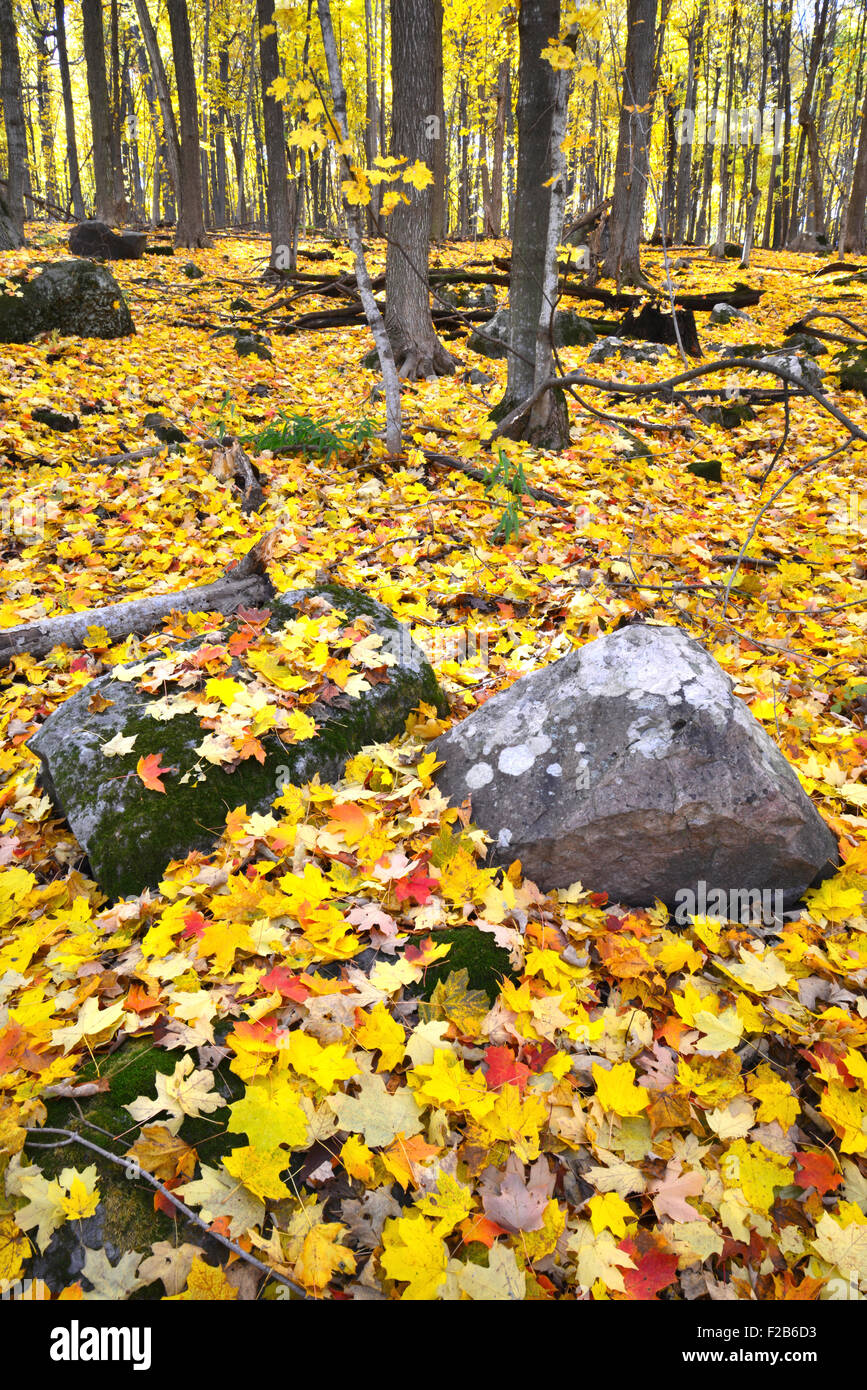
{"points": [[244, 585]]}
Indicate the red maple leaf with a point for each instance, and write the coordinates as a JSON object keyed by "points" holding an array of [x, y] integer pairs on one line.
{"points": [[287, 984], [655, 1266], [418, 887], [194, 925], [502, 1068], [818, 1170]]}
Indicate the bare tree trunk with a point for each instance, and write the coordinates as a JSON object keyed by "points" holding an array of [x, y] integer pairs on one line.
{"points": [[68, 111], [43, 102], [684, 157], [105, 209], [499, 141], [753, 158], [464, 146], [190, 230], [116, 118], [725, 157], [439, 208], [417, 349], [281, 213], [548, 426], [806, 121], [537, 90], [390, 381], [170, 149], [12, 206], [623, 263], [370, 129], [855, 235]]}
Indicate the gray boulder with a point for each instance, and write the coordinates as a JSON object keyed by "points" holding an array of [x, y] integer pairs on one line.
{"points": [[77, 298], [631, 766], [491, 339], [129, 832], [97, 240], [800, 365], [629, 351], [727, 313]]}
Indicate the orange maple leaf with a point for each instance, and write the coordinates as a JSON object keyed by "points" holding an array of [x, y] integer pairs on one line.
{"points": [[149, 771]]}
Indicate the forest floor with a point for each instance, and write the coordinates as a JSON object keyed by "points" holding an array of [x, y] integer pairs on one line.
{"points": [[692, 1102]]}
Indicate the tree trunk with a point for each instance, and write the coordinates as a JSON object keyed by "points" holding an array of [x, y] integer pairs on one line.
{"points": [[439, 208], [170, 149], [417, 350], [372, 122], [684, 157], [548, 426], [537, 89], [622, 263], [68, 111], [43, 104], [855, 235], [390, 382], [281, 213], [12, 207], [190, 230], [499, 141], [105, 205], [725, 156], [116, 117]]}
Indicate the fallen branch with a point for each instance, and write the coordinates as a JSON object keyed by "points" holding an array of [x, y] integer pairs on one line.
{"points": [[68, 1136], [448, 462], [653, 388], [244, 585]]}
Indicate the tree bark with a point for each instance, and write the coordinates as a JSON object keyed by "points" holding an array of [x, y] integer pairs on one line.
{"points": [[105, 205], [416, 347], [281, 213], [12, 208], [68, 111], [537, 22], [170, 148], [439, 207], [548, 426], [190, 230], [390, 382], [855, 234], [623, 263]]}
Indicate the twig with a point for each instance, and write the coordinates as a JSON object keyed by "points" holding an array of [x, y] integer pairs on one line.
{"points": [[70, 1137]]}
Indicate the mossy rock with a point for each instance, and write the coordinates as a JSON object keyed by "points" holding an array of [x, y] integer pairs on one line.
{"points": [[130, 834], [77, 298], [474, 951], [125, 1218], [805, 342], [709, 469], [852, 366], [729, 416]]}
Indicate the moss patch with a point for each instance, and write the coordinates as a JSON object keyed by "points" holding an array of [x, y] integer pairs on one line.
{"points": [[128, 1218], [474, 951]]}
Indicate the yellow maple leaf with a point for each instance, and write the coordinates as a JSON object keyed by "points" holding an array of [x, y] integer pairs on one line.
{"points": [[415, 1255], [609, 1212], [322, 1256], [418, 174], [381, 1032], [616, 1089], [205, 1284], [259, 1172], [357, 1159], [326, 1065], [836, 899]]}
